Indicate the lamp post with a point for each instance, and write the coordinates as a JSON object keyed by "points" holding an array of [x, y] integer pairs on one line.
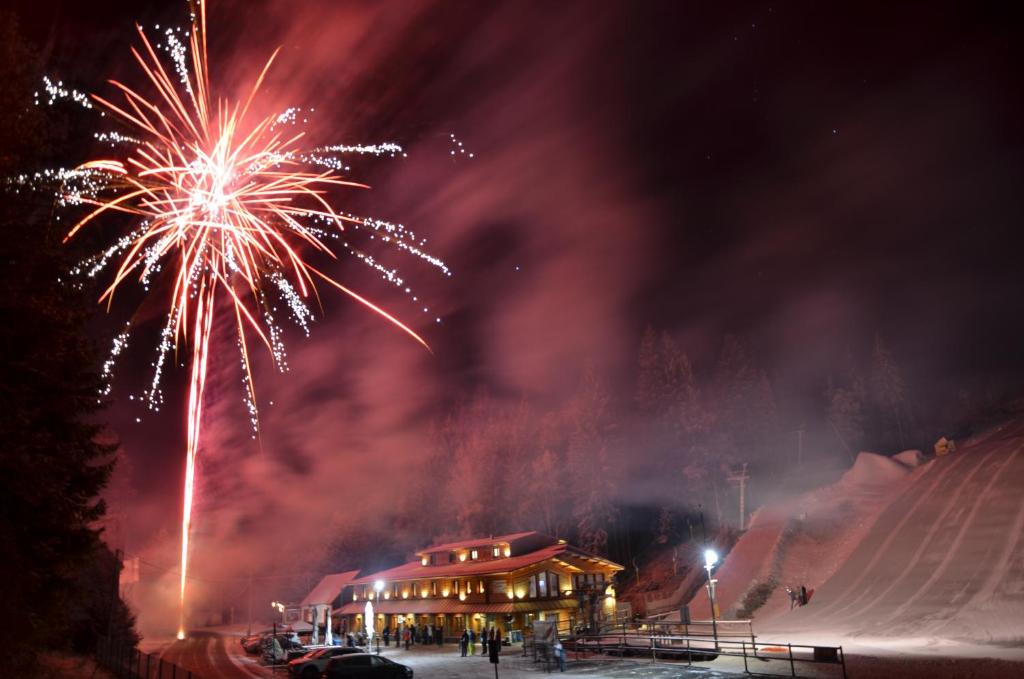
{"points": [[279, 607], [710, 559], [378, 587]]}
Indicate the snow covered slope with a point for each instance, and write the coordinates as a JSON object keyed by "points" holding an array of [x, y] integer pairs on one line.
{"points": [[944, 559], [805, 540]]}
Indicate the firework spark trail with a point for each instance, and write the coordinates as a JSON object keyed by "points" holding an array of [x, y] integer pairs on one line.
{"points": [[226, 206]]}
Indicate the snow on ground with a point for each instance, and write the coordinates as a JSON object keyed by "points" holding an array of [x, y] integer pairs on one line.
{"points": [[904, 559], [874, 662], [804, 541]]}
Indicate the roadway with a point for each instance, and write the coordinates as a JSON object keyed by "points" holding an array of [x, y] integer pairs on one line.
{"points": [[207, 656]]}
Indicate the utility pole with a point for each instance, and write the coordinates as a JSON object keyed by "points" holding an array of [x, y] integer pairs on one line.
{"points": [[741, 478], [250, 604]]}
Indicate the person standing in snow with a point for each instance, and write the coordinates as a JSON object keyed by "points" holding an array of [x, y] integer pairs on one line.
{"points": [[464, 642]]}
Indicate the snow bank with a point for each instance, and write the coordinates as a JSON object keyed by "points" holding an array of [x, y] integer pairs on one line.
{"points": [[942, 564], [910, 458], [872, 469]]}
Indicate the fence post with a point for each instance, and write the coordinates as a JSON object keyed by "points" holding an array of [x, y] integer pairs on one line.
{"points": [[149, 658], [792, 665], [743, 647], [160, 668]]}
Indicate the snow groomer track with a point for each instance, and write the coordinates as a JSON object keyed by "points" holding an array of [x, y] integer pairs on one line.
{"points": [[944, 560]]}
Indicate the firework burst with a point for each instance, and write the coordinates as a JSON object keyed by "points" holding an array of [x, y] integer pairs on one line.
{"points": [[223, 203]]}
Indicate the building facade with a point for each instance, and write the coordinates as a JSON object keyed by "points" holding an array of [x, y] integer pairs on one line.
{"points": [[325, 597], [505, 582]]}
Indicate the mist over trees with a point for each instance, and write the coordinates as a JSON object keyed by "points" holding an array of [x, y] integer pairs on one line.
{"points": [[497, 465]]}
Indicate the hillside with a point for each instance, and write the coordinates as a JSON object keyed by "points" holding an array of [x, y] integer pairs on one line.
{"points": [[896, 552]]}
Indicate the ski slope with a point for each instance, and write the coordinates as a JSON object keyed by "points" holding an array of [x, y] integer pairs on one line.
{"points": [[921, 557]]}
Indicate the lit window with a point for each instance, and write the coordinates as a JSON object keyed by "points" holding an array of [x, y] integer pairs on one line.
{"points": [[542, 585], [496, 552], [481, 588], [455, 586], [473, 555]]}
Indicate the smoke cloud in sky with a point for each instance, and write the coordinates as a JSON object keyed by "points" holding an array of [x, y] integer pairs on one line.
{"points": [[791, 174]]}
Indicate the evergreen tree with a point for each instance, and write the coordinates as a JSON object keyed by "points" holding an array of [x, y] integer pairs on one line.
{"points": [[889, 392], [672, 423], [746, 424], [52, 466], [846, 414], [589, 465]]}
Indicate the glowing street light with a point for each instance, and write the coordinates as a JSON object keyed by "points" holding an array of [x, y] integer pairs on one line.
{"points": [[710, 559], [378, 587]]}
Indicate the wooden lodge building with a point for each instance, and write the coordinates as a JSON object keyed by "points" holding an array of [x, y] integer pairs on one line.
{"points": [[505, 582]]}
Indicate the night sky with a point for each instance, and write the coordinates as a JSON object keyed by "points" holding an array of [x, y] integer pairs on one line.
{"points": [[804, 174]]}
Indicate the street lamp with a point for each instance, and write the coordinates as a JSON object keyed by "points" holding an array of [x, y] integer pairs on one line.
{"points": [[378, 587], [710, 559]]}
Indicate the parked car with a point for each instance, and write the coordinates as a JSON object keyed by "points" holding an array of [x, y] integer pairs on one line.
{"points": [[251, 643], [275, 648], [365, 666], [313, 664]]}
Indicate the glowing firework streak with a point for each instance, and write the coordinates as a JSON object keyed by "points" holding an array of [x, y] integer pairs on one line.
{"points": [[226, 206]]}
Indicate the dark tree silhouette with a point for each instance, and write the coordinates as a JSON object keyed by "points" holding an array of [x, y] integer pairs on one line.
{"points": [[52, 465]]}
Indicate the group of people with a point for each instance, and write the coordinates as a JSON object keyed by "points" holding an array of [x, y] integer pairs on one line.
{"points": [[414, 634], [487, 639], [353, 640]]}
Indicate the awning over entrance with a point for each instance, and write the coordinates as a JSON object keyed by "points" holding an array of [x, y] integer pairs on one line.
{"points": [[452, 607]]}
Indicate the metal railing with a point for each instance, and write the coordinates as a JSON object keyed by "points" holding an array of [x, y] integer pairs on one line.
{"points": [[759, 657], [128, 662]]}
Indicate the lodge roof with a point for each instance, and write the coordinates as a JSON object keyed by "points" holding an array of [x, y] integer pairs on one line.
{"points": [[415, 570], [328, 588], [478, 542]]}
